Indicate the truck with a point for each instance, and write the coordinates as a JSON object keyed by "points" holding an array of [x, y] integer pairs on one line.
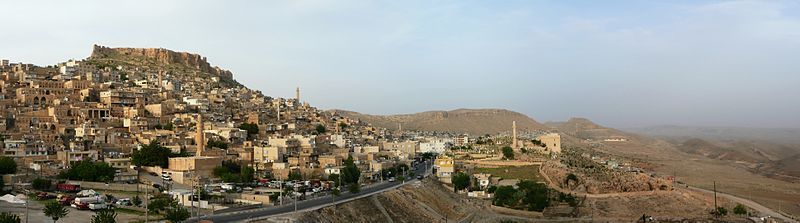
{"points": [[88, 200], [65, 187]]}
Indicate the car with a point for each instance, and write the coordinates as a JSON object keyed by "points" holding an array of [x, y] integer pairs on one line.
{"points": [[124, 202], [391, 179], [420, 177]]}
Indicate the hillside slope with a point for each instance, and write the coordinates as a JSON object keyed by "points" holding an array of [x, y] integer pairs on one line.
{"points": [[471, 121]]}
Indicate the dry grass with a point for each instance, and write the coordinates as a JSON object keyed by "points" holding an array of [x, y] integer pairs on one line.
{"points": [[515, 172]]}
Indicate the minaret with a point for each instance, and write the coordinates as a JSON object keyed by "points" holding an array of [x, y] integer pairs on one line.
{"points": [[160, 80], [279, 113], [199, 138], [297, 95], [514, 134]]}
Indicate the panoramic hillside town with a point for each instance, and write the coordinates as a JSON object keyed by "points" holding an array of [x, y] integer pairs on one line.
{"points": [[139, 129]]}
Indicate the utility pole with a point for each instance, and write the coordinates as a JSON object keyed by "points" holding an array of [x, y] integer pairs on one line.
{"points": [[716, 209], [146, 200]]}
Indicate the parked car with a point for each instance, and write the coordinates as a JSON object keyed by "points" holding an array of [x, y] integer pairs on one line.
{"points": [[124, 202], [45, 196], [391, 179], [97, 206], [419, 177]]}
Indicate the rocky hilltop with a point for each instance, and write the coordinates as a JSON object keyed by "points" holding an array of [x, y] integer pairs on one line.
{"points": [[160, 55], [471, 121]]}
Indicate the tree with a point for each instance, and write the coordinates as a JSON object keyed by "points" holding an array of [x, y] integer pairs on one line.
{"points": [[354, 188], [7, 165], [9, 218], [536, 195], [41, 184], [252, 129], [89, 171], [152, 154], [335, 178], [160, 203], [295, 175], [176, 214], [336, 192], [342, 125], [350, 173], [216, 144], [248, 175], [136, 201], [107, 215], [508, 153], [505, 196], [740, 209], [55, 211], [321, 129], [719, 212], [460, 181]]}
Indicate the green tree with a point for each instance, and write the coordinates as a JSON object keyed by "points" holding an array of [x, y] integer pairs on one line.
{"points": [[251, 128], [321, 129], [107, 215], [248, 175], [350, 173], [9, 218], [508, 153], [460, 181], [41, 184], [354, 188], [55, 211], [536, 195], [740, 209], [342, 125], [159, 204], [295, 175], [505, 196], [136, 201], [335, 178], [216, 144], [89, 171], [152, 154], [176, 214], [719, 212], [7, 165]]}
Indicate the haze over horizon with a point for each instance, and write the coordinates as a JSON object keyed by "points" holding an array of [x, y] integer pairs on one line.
{"points": [[622, 64]]}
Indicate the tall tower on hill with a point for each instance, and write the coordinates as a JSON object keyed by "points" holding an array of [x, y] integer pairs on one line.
{"points": [[199, 138], [514, 135]]}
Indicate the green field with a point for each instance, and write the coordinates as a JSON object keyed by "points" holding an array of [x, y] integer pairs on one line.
{"points": [[521, 172]]}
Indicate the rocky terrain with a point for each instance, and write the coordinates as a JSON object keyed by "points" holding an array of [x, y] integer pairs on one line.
{"points": [[159, 55], [471, 121]]}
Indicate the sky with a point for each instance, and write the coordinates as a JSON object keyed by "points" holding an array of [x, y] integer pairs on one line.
{"points": [[618, 63]]}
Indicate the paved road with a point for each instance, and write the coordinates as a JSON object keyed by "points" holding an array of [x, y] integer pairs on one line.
{"points": [[752, 204], [312, 204]]}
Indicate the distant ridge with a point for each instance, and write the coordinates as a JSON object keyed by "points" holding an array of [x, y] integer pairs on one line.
{"points": [[471, 121]]}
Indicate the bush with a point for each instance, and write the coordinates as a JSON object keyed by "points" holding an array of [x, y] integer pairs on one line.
{"points": [[354, 188]]}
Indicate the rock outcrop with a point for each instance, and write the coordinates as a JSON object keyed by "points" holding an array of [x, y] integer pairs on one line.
{"points": [[161, 55]]}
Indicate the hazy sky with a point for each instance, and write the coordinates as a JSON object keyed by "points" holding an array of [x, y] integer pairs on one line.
{"points": [[620, 63]]}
